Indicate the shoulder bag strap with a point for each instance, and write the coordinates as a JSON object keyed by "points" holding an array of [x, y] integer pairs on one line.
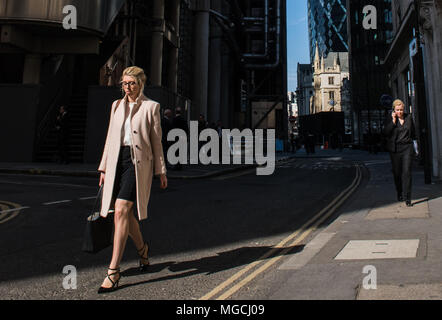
{"points": [[97, 201]]}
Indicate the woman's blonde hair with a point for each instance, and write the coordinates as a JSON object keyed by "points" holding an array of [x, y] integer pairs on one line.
{"points": [[398, 102], [138, 74]]}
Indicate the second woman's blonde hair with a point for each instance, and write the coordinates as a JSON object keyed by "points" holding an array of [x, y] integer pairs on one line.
{"points": [[138, 74], [398, 102]]}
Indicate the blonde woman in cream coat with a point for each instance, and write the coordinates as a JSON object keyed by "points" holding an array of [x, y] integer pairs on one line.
{"points": [[132, 154]]}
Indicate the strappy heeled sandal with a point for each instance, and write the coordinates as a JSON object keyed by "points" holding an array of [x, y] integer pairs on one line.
{"points": [[145, 250], [114, 283]]}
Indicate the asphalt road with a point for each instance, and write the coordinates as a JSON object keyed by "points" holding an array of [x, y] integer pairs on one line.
{"points": [[200, 232]]}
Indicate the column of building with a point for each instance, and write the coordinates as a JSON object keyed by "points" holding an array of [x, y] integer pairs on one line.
{"points": [[431, 27], [201, 59], [157, 44], [214, 96]]}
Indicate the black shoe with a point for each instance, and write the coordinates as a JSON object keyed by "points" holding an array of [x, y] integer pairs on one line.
{"points": [[114, 283], [408, 203], [400, 198], [144, 259]]}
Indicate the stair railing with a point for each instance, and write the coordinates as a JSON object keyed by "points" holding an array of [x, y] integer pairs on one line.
{"points": [[48, 119]]}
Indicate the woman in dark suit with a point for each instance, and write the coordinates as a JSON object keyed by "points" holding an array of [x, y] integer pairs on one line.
{"points": [[400, 133]]}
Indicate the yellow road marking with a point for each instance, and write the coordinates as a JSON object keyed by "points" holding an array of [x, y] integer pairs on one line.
{"points": [[3, 208], [10, 217], [328, 210], [10, 210]]}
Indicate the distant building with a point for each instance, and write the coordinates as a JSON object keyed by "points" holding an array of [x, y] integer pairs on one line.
{"points": [[328, 78], [347, 109], [292, 106], [292, 112], [327, 21], [304, 92]]}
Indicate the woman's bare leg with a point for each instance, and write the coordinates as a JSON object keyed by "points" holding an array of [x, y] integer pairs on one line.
{"points": [[135, 232], [121, 219]]}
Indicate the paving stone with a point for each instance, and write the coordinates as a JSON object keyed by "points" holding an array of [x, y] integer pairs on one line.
{"points": [[398, 210]]}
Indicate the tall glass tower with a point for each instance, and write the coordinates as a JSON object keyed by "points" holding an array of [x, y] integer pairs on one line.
{"points": [[327, 26]]}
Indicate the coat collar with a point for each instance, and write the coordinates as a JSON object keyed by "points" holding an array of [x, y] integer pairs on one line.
{"points": [[407, 117], [139, 100]]}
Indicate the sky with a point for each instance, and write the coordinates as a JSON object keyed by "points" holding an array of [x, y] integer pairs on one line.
{"points": [[297, 39]]}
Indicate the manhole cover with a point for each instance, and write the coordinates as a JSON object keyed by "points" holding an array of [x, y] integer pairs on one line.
{"points": [[379, 249]]}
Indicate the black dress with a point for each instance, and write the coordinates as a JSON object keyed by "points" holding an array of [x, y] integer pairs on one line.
{"points": [[125, 184]]}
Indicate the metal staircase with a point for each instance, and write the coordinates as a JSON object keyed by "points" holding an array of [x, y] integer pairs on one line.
{"points": [[77, 109]]}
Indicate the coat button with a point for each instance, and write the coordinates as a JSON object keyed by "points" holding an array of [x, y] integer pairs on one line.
{"points": [[135, 132]]}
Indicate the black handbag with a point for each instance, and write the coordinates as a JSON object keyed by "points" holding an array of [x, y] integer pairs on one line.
{"points": [[98, 234]]}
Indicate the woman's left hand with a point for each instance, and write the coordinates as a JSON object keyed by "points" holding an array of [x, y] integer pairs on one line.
{"points": [[163, 181]]}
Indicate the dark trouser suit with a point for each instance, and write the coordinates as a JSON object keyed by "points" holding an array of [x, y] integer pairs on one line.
{"points": [[401, 162]]}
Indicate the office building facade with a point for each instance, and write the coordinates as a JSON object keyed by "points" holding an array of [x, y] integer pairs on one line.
{"points": [[223, 59], [327, 26], [304, 91], [414, 63], [369, 76]]}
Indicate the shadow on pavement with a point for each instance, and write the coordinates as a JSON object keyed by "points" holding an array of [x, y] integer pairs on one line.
{"points": [[208, 265], [198, 215]]}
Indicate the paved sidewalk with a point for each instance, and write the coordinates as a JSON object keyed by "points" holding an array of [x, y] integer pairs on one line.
{"points": [[90, 170], [374, 241]]}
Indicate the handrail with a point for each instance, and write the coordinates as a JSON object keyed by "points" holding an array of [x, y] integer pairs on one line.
{"points": [[45, 122], [46, 116]]}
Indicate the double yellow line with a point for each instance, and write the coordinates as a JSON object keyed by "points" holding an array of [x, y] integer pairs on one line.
{"points": [[284, 246], [9, 210]]}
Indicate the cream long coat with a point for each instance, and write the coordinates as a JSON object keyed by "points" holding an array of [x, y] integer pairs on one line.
{"points": [[147, 150]]}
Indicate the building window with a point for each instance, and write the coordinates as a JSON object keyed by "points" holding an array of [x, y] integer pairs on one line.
{"points": [[331, 95], [331, 80], [409, 88], [399, 15]]}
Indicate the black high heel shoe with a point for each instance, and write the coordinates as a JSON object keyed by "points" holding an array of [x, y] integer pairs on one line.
{"points": [[114, 283], [143, 256]]}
